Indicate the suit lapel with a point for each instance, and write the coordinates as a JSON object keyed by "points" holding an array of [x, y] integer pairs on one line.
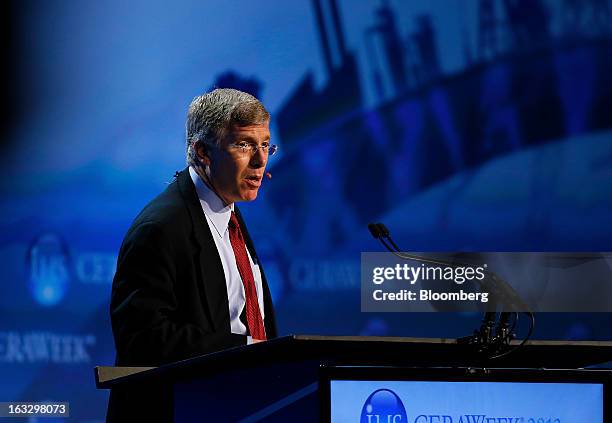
{"points": [[211, 269]]}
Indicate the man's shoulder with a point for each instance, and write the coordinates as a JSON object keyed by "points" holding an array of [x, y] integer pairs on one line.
{"points": [[168, 211]]}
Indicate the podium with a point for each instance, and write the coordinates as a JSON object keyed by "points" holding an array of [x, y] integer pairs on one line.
{"points": [[283, 379]]}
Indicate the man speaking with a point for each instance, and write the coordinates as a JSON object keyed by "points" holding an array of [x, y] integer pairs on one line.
{"points": [[188, 278]]}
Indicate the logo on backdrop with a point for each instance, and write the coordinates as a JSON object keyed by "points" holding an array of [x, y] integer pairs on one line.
{"points": [[51, 268], [46, 347], [383, 406], [47, 263]]}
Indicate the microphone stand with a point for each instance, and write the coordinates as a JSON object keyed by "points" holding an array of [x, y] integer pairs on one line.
{"points": [[492, 337]]}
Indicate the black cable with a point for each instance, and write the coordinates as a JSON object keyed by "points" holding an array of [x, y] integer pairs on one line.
{"points": [[511, 332], [531, 327], [508, 337]]}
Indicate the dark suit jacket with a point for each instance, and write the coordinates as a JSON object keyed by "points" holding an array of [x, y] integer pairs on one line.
{"points": [[169, 298]]}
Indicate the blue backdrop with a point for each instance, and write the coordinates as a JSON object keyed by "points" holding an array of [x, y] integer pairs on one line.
{"points": [[476, 125]]}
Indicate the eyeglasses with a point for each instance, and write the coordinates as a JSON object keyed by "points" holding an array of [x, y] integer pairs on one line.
{"points": [[245, 148]]}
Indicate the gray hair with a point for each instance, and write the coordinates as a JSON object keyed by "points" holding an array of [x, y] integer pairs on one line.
{"points": [[210, 116]]}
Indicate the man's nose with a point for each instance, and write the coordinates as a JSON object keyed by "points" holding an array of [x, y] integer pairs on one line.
{"points": [[259, 158]]}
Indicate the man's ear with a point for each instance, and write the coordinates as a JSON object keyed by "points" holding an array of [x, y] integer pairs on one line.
{"points": [[202, 153]]}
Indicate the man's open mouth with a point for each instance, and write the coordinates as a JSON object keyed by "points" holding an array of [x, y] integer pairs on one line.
{"points": [[253, 181]]}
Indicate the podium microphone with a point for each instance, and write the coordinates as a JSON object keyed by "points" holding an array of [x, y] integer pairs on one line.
{"points": [[488, 336], [380, 232]]}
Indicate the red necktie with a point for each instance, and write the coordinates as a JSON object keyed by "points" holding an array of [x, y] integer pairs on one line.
{"points": [[253, 315]]}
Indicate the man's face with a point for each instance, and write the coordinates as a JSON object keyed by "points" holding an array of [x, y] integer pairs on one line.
{"points": [[237, 175]]}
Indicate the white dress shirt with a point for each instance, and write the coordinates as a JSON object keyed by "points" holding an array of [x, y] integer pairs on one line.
{"points": [[218, 217]]}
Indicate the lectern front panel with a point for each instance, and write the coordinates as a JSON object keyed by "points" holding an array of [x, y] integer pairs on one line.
{"points": [[493, 397]]}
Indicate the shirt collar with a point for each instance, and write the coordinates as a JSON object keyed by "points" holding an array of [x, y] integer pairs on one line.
{"points": [[217, 212]]}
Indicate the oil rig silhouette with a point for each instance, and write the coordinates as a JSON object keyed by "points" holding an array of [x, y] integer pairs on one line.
{"points": [[532, 75]]}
